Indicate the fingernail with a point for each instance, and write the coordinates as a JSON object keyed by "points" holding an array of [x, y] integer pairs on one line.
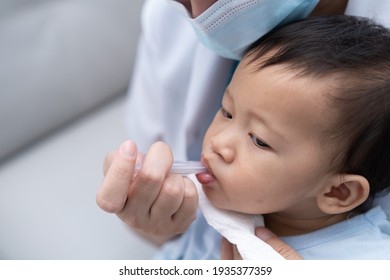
{"points": [[263, 233], [128, 149]]}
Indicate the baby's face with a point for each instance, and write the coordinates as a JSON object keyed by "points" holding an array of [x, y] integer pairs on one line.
{"points": [[265, 148]]}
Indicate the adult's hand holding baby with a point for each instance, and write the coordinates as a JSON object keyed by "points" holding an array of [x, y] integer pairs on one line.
{"points": [[156, 203]]}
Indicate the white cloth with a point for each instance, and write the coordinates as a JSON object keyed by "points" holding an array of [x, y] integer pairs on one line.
{"points": [[238, 228]]}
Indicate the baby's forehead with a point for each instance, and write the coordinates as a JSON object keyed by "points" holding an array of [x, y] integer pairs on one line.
{"points": [[296, 95], [332, 80]]}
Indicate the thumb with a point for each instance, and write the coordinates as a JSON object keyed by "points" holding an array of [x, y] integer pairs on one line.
{"points": [[113, 191], [278, 245]]}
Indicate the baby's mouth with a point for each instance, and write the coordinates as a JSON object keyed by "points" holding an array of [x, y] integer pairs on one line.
{"points": [[206, 177]]}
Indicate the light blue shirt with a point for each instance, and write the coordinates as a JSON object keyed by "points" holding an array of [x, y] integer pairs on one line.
{"points": [[365, 236], [200, 242]]}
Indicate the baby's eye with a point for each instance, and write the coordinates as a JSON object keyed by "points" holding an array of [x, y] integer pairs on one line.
{"points": [[226, 114], [258, 142]]}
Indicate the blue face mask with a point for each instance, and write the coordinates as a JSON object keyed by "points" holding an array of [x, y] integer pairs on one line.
{"points": [[228, 27]]}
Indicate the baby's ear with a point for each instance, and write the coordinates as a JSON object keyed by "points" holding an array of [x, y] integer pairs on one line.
{"points": [[344, 193]]}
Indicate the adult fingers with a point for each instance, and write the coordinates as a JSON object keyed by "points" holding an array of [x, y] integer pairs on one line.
{"points": [[187, 211], [175, 207], [168, 201], [146, 186], [112, 194], [226, 249], [108, 161], [229, 251], [278, 245]]}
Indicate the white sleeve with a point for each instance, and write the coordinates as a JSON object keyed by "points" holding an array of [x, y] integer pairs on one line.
{"points": [[161, 70], [177, 83], [378, 10]]}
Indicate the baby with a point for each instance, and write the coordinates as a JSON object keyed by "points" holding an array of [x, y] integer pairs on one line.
{"points": [[303, 138]]}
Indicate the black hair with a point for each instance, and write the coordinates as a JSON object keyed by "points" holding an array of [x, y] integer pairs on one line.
{"points": [[357, 51]]}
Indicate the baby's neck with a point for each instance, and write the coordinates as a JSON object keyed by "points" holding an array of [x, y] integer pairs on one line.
{"points": [[286, 226]]}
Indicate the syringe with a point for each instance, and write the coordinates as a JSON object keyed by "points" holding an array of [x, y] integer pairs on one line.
{"points": [[181, 167]]}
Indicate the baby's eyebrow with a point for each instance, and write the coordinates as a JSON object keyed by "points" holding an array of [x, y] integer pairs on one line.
{"points": [[254, 114], [267, 124]]}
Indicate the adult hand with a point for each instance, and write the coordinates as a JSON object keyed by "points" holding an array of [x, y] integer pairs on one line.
{"points": [[154, 202], [230, 252]]}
